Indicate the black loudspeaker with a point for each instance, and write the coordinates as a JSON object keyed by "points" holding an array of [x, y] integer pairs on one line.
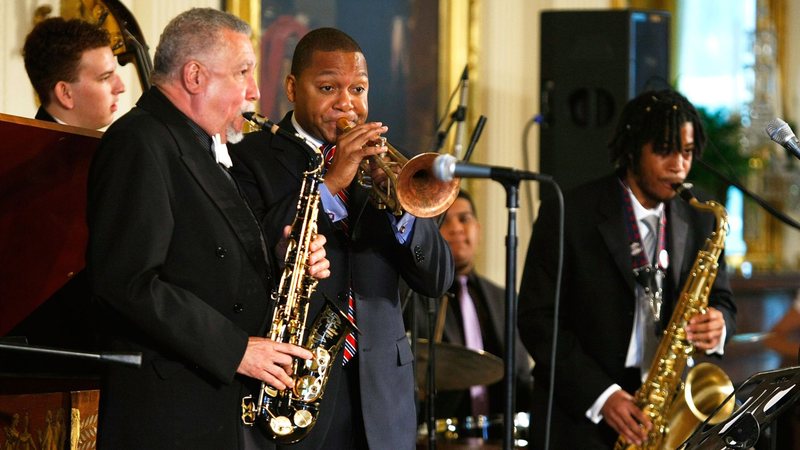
{"points": [[592, 63]]}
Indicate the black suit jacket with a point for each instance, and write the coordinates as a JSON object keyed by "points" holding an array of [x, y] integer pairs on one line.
{"points": [[42, 114], [176, 261], [269, 169], [597, 303], [457, 403]]}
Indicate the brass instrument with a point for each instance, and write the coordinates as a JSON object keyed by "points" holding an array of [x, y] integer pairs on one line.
{"points": [[414, 190], [677, 408], [289, 415]]}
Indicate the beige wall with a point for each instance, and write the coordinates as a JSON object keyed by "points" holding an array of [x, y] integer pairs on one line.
{"points": [[508, 95]]}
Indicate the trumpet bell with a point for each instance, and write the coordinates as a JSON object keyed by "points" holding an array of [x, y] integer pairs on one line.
{"points": [[422, 194]]}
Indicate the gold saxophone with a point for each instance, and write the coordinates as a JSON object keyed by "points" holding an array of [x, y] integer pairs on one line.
{"points": [[288, 415], [677, 408]]}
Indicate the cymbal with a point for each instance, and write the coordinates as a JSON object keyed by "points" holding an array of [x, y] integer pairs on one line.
{"points": [[457, 367]]}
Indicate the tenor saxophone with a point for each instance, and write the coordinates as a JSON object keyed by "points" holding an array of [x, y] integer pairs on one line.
{"points": [[674, 407], [288, 415]]}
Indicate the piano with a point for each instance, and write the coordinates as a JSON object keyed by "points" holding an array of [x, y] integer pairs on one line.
{"points": [[51, 400], [44, 295]]}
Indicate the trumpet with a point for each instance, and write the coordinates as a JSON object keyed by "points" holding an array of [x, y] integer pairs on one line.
{"points": [[414, 190]]}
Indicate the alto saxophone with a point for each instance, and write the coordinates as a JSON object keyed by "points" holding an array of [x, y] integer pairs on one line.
{"points": [[674, 407], [288, 415]]}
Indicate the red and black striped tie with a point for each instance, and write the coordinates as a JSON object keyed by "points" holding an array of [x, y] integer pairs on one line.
{"points": [[350, 343]]}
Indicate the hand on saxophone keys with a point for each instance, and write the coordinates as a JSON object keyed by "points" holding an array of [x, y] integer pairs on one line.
{"points": [[270, 361], [705, 330], [317, 264], [621, 413]]}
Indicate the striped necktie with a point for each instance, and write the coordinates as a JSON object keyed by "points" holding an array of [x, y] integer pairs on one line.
{"points": [[350, 343]]}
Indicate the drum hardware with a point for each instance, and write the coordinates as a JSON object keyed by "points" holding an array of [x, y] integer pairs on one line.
{"points": [[478, 430]]}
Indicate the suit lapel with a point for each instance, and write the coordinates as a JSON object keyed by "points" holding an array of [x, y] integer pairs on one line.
{"points": [[496, 310], [210, 177], [613, 231], [452, 330], [678, 225], [225, 195], [358, 204]]}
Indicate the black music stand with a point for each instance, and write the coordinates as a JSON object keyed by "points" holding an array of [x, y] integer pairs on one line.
{"points": [[767, 395]]}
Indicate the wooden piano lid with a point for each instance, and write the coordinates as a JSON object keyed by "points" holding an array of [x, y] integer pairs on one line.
{"points": [[43, 173]]}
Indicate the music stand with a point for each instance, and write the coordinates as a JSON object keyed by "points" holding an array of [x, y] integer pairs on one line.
{"points": [[768, 394]]}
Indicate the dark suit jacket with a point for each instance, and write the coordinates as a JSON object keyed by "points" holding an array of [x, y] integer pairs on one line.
{"points": [[42, 114], [457, 403], [597, 303], [175, 259], [269, 169]]}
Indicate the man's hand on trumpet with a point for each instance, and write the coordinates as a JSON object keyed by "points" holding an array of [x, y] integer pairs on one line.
{"points": [[376, 172], [352, 147]]}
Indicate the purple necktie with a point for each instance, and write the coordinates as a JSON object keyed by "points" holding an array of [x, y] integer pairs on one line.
{"points": [[473, 340]]}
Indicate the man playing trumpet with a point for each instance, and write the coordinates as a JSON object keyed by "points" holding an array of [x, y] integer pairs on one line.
{"points": [[369, 399]]}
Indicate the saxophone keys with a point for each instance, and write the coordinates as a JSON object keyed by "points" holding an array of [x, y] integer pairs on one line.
{"points": [[321, 357], [280, 425], [303, 418], [308, 388], [248, 411]]}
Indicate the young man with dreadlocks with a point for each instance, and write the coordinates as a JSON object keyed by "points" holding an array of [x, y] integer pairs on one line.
{"points": [[609, 324]]}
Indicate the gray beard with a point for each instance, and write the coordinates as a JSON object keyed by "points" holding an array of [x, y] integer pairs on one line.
{"points": [[233, 136]]}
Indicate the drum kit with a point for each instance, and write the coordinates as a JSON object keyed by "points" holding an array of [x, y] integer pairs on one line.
{"points": [[456, 368]]}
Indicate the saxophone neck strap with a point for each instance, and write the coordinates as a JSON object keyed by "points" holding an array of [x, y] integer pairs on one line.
{"points": [[648, 274]]}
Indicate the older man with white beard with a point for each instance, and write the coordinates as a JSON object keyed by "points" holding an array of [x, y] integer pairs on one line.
{"points": [[176, 260]]}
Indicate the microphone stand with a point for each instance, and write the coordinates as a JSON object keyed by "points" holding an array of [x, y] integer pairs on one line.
{"points": [[431, 385], [512, 203], [433, 303], [511, 186]]}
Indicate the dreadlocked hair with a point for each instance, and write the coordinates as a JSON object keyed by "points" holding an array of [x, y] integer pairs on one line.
{"points": [[654, 117]]}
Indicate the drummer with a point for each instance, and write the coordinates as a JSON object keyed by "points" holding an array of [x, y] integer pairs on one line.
{"points": [[474, 318]]}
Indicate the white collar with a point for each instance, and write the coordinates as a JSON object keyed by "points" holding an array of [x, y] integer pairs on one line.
{"points": [[304, 133], [640, 211], [221, 152]]}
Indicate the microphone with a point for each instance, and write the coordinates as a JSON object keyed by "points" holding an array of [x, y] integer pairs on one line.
{"points": [[460, 115], [779, 131], [447, 167]]}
